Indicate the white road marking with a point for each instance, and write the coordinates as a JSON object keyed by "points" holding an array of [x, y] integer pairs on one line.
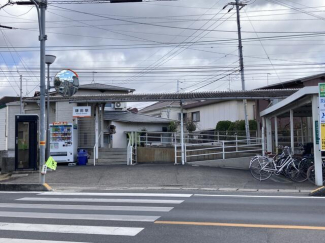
{"points": [[100, 200], [133, 218], [87, 207], [7, 240], [19, 192], [115, 194], [256, 196], [71, 229]]}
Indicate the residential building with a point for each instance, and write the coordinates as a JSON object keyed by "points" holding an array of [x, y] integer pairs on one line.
{"points": [[205, 114]]}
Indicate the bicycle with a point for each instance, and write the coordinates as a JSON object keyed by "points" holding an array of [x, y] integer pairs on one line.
{"points": [[263, 167], [311, 173]]}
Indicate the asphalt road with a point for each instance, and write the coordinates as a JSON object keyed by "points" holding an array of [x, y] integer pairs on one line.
{"points": [[159, 217]]}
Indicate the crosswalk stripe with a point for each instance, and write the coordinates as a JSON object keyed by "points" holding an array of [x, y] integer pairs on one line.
{"points": [[115, 194], [71, 229], [87, 207], [133, 218], [7, 240], [50, 199]]}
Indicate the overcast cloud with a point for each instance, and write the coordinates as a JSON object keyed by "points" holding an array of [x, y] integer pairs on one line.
{"points": [[149, 46]]}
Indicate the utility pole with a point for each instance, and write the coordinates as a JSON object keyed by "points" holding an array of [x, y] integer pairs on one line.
{"points": [[177, 86], [42, 38], [93, 77], [239, 6], [21, 94]]}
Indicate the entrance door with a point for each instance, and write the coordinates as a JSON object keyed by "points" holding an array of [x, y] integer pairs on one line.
{"points": [[26, 142]]}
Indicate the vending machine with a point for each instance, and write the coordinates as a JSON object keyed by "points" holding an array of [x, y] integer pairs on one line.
{"points": [[63, 142]]}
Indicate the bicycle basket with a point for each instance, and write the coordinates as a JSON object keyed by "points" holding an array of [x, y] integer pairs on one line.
{"points": [[287, 150]]}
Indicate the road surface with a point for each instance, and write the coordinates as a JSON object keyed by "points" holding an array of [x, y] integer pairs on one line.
{"points": [[159, 217]]}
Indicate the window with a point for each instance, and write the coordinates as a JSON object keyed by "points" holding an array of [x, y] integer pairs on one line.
{"points": [[196, 116], [184, 116]]}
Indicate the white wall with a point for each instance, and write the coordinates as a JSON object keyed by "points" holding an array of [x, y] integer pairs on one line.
{"points": [[119, 138], [13, 110], [64, 112], [228, 110], [3, 127], [168, 113]]}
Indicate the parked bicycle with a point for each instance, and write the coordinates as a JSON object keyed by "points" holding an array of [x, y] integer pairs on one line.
{"points": [[311, 173], [263, 167]]}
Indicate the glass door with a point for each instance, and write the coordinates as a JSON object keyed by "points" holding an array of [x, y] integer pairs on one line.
{"points": [[26, 148], [23, 145]]}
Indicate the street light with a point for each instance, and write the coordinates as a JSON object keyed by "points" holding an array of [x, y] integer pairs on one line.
{"points": [[49, 59]]}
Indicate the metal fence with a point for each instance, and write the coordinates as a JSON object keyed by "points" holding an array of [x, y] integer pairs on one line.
{"points": [[196, 146], [217, 150]]}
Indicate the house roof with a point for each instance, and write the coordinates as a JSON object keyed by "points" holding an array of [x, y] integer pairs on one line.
{"points": [[129, 117], [163, 104], [95, 86], [104, 87], [195, 96], [297, 82], [7, 99], [201, 103]]}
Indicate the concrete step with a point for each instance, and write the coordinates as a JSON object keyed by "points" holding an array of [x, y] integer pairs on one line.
{"points": [[112, 153], [112, 149], [102, 155], [111, 161]]}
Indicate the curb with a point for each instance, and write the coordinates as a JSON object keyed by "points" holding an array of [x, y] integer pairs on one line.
{"points": [[25, 187], [166, 188], [319, 192]]}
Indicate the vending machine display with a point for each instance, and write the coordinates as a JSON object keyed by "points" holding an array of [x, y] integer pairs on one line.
{"points": [[63, 142]]}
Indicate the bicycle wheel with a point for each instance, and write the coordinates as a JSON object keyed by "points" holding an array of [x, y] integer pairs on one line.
{"points": [[295, 173], [311, 174], [260, 169]]}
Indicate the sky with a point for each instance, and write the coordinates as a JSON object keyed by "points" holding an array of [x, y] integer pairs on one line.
{"points": [[157, 46]]}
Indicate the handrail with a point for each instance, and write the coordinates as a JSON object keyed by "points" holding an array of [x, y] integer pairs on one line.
{"points": [[221, 146], [95, 150]]}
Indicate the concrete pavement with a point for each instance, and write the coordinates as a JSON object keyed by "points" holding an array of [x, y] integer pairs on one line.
{"points": [[160, 176]]}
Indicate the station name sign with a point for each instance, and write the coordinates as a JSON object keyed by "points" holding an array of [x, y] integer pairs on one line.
{"points": [[81, 111]]}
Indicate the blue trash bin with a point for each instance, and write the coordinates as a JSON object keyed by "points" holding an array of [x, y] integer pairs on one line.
{"points": [[82, 157]]}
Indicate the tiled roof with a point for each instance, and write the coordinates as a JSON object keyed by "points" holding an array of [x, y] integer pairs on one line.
{"points": [[196, 96], [98, 86], [297, 82], [164, 104], [126, 116]]}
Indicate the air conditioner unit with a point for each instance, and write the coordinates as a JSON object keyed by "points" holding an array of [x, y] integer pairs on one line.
{"points": [[109, 107], [120, 105]]}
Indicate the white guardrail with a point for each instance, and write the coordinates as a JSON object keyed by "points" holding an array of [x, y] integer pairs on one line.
{"points": [[195, 145], [218, 148]]}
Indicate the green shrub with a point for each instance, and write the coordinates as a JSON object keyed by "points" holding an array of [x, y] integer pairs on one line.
{"points": [[223, 125], [190, 126], [252, 125], [237, 126], [172, 127]]}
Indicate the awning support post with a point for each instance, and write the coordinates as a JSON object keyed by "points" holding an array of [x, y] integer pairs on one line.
{"points": [[317, 152], [292, 138], [276, 137], [96, 129], [263, 136], [268, 135], [302, 130], [182, 134]]}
